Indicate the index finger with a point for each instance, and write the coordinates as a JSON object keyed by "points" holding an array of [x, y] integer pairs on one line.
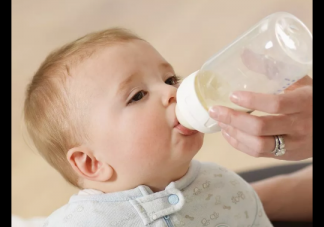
{"points": [[287, 103]]}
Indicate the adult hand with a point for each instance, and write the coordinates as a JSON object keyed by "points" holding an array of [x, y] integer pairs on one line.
{"points": [[254, 135]]}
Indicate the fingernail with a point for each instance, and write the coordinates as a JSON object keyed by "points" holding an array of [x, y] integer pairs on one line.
{"points": [[234, 97], [225, 133], [213, 112]]}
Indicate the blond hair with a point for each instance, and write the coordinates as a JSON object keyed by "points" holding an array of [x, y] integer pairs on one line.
{"points": [[50, 113]]}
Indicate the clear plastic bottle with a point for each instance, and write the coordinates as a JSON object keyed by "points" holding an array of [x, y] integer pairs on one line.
{"points": [[268, 58]]}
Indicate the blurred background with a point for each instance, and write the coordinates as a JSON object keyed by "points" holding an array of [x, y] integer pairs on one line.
{"points": [[185, 32]]}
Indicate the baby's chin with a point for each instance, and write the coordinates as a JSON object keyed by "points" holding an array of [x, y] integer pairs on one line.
{"points": [[193, 142], [188, 148]]}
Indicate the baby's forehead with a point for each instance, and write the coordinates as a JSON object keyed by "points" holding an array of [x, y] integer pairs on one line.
{"points": [[109, 65], [121, 59]]}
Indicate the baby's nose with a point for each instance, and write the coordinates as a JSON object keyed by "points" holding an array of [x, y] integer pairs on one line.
{"points": [[170, 96]]}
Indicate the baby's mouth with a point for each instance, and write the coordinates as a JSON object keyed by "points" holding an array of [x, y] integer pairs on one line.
{"points": [[183, 130]]}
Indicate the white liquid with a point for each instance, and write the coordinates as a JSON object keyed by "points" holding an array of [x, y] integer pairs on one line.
{"points": [[213, 90]]}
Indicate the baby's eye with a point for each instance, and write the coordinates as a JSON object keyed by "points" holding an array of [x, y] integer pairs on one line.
{"points": [[138, 96], [173, 80]]}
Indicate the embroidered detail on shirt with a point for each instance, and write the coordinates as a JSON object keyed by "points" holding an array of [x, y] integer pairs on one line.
{"points": [[189, 217], [197, 191], [208, 197], [205, 222], [218, 200], [206, 184], [214, 215], [234, 182]]}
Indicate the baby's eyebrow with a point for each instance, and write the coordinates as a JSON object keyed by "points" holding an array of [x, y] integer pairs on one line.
{"points": [[124, 84], [166, 65]]}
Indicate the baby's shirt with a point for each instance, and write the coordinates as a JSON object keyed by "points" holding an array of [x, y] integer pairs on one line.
{"points": [[208, 195]]}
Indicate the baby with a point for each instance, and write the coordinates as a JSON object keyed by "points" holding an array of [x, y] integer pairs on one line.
{"points": [[101, 111]]}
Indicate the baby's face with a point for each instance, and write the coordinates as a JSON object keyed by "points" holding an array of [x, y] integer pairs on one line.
{"points": [[132, 116]]}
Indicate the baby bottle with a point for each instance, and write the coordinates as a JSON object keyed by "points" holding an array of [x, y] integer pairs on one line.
{"points": [[268, 58]]}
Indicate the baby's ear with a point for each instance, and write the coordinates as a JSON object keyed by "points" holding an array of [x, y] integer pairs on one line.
{"points": [[85, 165]]}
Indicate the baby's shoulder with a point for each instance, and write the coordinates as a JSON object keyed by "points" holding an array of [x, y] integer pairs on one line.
{"points": [[224, 195], [59, 216], [85, 211], [217, 176]]}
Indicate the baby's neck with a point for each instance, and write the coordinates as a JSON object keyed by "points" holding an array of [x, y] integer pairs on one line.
{"points": [[157, 183]]}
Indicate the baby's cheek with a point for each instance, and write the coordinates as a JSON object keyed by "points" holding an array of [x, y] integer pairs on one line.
{"points": [[151, 138], [152, 124], [150, 134]]}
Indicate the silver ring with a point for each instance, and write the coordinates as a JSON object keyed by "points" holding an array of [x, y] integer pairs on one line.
{"points": [[276, 145], [279, 146]]}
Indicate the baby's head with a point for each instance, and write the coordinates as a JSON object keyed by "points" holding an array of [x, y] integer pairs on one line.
{"points": [[101, 110]]}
